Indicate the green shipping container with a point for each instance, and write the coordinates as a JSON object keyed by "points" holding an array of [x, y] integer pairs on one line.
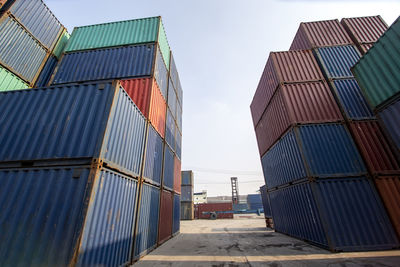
{"points": [[61, 44], [9, 81], [120, 33], [378, 71]]}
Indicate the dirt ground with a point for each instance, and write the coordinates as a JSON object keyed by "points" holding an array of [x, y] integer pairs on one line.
{"points": [[245, 241]]}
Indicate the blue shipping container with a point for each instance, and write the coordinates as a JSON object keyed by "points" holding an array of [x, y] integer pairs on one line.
{"points": [[105, 64], [352, 100], [336, 61], [170, 130], [187, 193], [390, 119], [161, 73], [179, 117], [187, 178], [19, 51], [46, 72], [174, 76], [172, 100], [177, 214], [147, 228], [78, 121], [39, 20], [178, 142], [254, 201], [168, 169], [64, 216], [154, 156], [265, 201]]}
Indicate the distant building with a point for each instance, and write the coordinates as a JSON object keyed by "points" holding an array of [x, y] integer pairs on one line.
{"points": [[200, 197], [223, 199]]}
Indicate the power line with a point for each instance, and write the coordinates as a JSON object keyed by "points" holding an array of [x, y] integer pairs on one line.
{"points": [[224, 171]]}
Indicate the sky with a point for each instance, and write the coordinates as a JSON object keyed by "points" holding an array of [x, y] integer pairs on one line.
{"points": [[220, 49]]}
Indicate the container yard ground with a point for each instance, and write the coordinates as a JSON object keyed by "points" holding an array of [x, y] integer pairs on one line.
{"points": [[246, 242]]}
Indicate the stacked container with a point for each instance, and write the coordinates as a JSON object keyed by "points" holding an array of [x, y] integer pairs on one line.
{"points": [[103, 119], [254, 202], [266, 206], [29, 60], [313, 169], [187, 204], [378, 73]]}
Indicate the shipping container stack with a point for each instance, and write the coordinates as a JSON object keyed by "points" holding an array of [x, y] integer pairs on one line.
{"points": [[306, 110], [378, 74], [266, 206], [29, 60], [85, 155], [187, 204]]}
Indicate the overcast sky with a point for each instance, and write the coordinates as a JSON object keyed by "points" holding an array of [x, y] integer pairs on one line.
{"points": [[220, 48]]}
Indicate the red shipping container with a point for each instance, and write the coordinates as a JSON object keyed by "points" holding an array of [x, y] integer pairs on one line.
{"points": [[283, 68], [389, 190], [293, 104], [374, 147], [165, 220], [364, 47], [148, 98], [364, 30], [320, 34], [177, 175], [204, 210]]}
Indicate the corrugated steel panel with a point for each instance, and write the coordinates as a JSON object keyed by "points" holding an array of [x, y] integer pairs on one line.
{"points": [[389, 190], [187, 211], [354, 215], [9, 81], [365, 47], [295, 213], [133, 61], [158, 109], [265, 202], [330, 151], [87, 120], [172, 100], [61, 44], [46, 72], [107, 237], [147, 228], [254, 201], [336, 61], [173, 72], [161, 73], [204, 210], [169, 164], [320, 34], [377, 71], [187, 193], [39, 20], [179, 117], [352, 100], [19, 51], [166, 214], [177, 175], [390, 119], [163, 43], [187, 177], [170, 129], [154, 156], [178, 141], [283, 163], [374, 147], [177, 214], [364, 29]]}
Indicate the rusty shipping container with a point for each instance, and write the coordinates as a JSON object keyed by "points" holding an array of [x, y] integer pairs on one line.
{"points": [[283, 68], [364, 30], [187, 211], [177, 175], [165, 218], [320, 34], [223, 210]]}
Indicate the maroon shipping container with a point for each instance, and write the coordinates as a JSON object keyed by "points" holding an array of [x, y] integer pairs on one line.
{"points": [[177, 175], [363, 48], [203, 211], [389, 190], [283, 68], [374, 147], [165, 224], [320, 34], [364, 30], [293, 104]]}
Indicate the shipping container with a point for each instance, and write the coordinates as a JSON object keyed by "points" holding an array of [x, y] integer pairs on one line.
{"points": [[336, 61], [37, 18], [187, 193], [174, 77], [390, 120], [9, 81], [2, 2], [46, 72], [169, 168], [177, 175], [105, 64], [147, 221], [187, 211], [61, 44], [77, 215], [283, 67], [179, 117], [177, 214], [19, 51], [148, 98], [166, 214], [377, 71], [352, 100], [137, 31], [170, 129], [187, 177], [254, 201], [178, 143], [222, 210], [153, 161], [265, 202], [72, 122], [320, 34], [374, 148], [161, 73], [389, 190], [364, 48], [172, 100], [363, 30]]}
